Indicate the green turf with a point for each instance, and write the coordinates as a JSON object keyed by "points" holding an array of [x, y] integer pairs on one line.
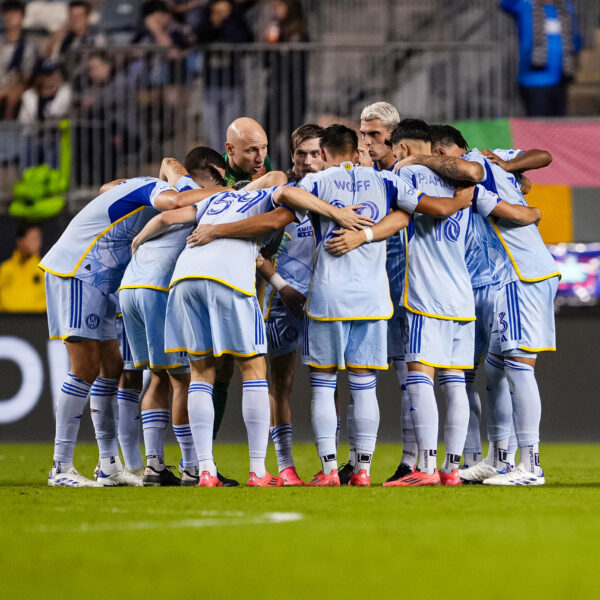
{"points": [[213, 543]]}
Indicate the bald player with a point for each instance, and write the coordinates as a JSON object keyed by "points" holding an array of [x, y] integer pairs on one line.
{"points": [[246, 151]]}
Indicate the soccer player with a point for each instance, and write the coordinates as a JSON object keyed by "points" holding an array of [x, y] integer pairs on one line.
{"points": [[284, 314], [524, 305], [440, 314], [82, 269], [349, 301], [143, 294], [212, 309]]}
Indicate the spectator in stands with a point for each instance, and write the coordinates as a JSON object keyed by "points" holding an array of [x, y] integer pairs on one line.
{"points": [[160, 28], [49, 98], [17, 57], [223, 75], [21, 281], [78, 33], [549, 42]]}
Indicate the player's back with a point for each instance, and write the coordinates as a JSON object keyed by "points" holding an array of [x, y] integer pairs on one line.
{"points": [[524, 246], [437, 279], [228, 261], [96, 245]]}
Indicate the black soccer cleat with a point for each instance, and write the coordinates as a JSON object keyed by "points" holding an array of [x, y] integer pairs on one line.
{"points": [[344, 473], [163, 478], [226, 481], [401, 471]]}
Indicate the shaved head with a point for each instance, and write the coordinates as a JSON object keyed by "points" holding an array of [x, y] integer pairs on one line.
{"points": [[246, 145]]}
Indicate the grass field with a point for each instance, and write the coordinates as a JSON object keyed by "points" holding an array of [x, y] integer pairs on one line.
{"points": [[299, 543]]}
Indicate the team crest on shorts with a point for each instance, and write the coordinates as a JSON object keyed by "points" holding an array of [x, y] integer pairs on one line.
{"points": [[92, 321], [290, 334]]}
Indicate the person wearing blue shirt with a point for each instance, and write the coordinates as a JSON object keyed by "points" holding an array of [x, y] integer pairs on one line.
{"points": [[549, 42]]}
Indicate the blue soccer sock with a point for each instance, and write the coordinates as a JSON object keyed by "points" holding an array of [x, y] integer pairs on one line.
{"points": [[129, 427], [363, 388], [324, 418], [472, 451], [69, 408], [424, 414], [183, 433], [201, 412], [256, 411], [457, 417], [103, 399], [527, 409], [500, 407], [282, 440], [154, 424]]}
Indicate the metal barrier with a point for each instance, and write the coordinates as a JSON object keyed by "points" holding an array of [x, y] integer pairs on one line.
{"points": [[132, 106]]}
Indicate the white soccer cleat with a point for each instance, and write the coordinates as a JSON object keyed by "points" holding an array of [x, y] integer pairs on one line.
{"points": [[70, 477], [518, 476], [482, 470], [137, 471], [122, 477]]}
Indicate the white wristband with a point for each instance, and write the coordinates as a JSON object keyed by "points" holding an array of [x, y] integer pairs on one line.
{"points": [[278, 282], [369, 234]]}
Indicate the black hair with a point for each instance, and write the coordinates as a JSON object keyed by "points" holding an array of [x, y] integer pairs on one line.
{"points": [[339, 139], [411, 129], [444, 135], [308, 131], [153, 6], [24, 227], [9, 5], [81, 4], [203, 160]]}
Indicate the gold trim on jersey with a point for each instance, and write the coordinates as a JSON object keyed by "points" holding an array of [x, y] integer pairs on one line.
{"points": [[343, 367], [72, 274], [536, 349], [144, 287], [435, 365], [222, 281]]}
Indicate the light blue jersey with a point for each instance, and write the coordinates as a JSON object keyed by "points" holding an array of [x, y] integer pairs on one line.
{"points": [[528, 258], [229, 261], [354, 285], [437, 281], [96, 245], [152, 265]]}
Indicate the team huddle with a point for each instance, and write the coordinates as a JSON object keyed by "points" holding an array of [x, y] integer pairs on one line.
{"points": [[411, 251]]}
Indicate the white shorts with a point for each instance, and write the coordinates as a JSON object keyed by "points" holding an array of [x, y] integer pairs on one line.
{"points": [[524, 318], [484, 311], [284, 330], [397, 334], [205, 317], [78, 310], [144, 317], [439, 342], [128, 363], [341, 344]]}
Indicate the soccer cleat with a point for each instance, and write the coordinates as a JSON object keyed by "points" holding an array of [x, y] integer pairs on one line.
{"points": [[70, 477], [360, 479], [137, 471], [189, 476], [267, 481], [207, 480], [226, 481], [401, 471], [122, 477], [344, 473], [482, 470], [165, 477], [517, 476], [322, 480], [452, 478], [290, 477], [417, 479]]}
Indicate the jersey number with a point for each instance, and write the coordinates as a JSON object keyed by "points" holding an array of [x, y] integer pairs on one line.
{"points": [[448, 228]]}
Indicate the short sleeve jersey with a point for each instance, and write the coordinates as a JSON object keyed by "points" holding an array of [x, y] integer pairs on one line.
{"points": [[152, 265], [527, 254], [355, 285], [229, 261], [96, 245], [437, 282]]}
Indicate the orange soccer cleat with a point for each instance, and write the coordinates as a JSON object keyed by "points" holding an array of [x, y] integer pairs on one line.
{"points": [[322, 480], [208, 480], [417, 478], [360, 479], [267, 481], [290, 477], [452, 478]]}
